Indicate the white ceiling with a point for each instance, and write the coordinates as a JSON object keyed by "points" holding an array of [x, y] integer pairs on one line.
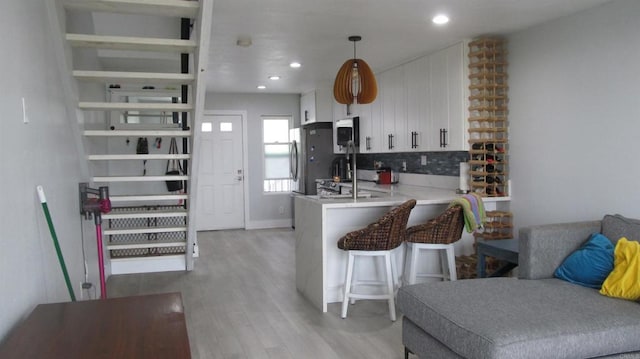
{"points": [[314, 33]]}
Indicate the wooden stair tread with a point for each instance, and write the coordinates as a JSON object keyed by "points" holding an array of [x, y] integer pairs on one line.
{"points": [[144, 230], [152, 213], [131, 43], [138, 133], [132, 106], [174, 8], [145, 244], [113, 157], [104, 179], [134, 77], [147, 197]]}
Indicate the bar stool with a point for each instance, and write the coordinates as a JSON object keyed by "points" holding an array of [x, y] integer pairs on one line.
{"points": [[437, 234], [376, 240]]}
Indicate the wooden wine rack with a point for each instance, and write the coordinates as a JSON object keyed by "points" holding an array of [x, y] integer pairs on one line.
{"points": [[499, 225], [488, 128]]}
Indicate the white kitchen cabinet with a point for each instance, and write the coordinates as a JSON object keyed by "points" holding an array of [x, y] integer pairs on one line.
{"points": [[392, 95], [417, 77], [421, 106], [448, 99], [370, 127], [316, 106]]}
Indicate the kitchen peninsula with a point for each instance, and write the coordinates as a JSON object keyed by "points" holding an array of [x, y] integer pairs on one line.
{"points": [[320, 222]]}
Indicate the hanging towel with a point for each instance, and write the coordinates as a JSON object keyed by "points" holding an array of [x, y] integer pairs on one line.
{"points": [[473, 210]]}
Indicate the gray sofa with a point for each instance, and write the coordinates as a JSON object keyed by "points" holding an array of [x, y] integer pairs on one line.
{"points": [[535, 316]]}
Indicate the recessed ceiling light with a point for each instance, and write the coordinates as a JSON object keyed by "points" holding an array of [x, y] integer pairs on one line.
{"points": [[274, 77], [440, 19], [295, 65], [244, 41], [261, 87]]}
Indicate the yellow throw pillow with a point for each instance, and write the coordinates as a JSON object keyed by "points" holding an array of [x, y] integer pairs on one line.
{"points": [[624, 280]]}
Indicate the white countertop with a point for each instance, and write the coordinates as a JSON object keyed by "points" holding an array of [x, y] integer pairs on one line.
{"points": [[393, 194]]}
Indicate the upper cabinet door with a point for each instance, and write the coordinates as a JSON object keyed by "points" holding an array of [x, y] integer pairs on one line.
{"points": [[447, 100], [438, 101], [316, 106], [458, 83], [370, 127], [308, 108], [417, 75], [392, 93]]}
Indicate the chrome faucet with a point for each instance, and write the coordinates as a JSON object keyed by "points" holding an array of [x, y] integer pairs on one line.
{"points": [[351, 145]]}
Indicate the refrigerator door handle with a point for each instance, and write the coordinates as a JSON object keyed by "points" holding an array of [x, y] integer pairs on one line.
{"points": [[293, 164]]}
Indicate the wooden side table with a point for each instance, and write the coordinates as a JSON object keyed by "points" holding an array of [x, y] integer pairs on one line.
{"points": [[150, 326], [502, 249]]}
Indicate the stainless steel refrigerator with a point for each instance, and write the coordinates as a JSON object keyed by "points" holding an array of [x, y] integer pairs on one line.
{"points": [[311, 156]]}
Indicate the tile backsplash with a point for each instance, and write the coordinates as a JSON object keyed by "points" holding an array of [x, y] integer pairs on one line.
{"points": [[438, 163]]}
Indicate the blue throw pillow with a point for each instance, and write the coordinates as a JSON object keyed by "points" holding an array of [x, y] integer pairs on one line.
{"points": [[590, 265]]}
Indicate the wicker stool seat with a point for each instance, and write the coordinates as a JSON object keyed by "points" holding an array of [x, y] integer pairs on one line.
{"points": [[437, 234], [376, 240]]}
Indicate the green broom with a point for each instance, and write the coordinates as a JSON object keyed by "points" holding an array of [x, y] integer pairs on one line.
{"points": [[45, 208]]}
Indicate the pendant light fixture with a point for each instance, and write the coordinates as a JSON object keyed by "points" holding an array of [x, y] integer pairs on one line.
{"points": [[355, 82]]}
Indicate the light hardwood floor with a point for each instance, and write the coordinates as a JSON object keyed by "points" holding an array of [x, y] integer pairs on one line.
{"points": [[241, 302]]}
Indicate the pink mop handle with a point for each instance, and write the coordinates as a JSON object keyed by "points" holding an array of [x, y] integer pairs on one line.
{"points": [[103, 283]]}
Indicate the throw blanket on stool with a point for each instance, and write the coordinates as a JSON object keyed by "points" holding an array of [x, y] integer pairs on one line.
{"points": [[473, 210]]}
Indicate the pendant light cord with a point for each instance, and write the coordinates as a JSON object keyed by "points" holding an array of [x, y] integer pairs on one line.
{"points": [[354, 50]]}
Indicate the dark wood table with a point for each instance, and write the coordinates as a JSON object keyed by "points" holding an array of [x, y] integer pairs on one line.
{"points": [[505, 250], [150, 326]]}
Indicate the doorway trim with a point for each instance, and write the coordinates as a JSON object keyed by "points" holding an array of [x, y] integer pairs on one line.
{"points": [[245, 154]]}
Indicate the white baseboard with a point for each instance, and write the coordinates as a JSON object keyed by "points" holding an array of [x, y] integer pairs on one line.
{"points": [[270, 223]]}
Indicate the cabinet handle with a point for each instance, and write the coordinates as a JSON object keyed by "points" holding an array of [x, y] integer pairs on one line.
{"points": [[368, 143], [443, 140], [390, 141], [306, 115], [414, 139]]}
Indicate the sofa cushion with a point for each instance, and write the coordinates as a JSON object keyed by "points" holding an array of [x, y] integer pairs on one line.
{"points": [[616, 226], [624, 280], [512, 318], [590, 264]]}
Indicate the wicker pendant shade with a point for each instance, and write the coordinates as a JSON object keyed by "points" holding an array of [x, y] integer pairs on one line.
{"points": [[355, 82]]}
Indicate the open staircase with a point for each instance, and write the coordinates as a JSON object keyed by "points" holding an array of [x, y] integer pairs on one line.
{"points": [[149, 228]]}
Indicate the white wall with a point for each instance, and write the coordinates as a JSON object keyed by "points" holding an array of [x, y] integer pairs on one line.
{"points": [[43, 152], [264, 208], [575, 116]]}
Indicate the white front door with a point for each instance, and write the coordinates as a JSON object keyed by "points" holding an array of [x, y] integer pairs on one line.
{"points": [[221, 178]]}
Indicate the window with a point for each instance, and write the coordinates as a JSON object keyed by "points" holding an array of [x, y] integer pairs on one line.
{"points": [[275, 139]]}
